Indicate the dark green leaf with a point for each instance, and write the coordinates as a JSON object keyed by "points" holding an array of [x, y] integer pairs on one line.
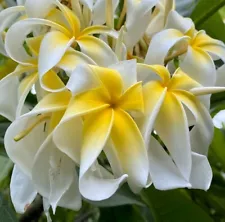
{"points": [[207, 17], [218, 146], [6, 213], [173, 206], [121, 214]]}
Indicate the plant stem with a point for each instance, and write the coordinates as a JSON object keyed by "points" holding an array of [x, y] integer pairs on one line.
{"points": [[122, 15]]}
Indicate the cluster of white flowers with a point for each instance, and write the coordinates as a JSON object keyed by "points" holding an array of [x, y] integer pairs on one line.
{"points": [[123, 96]]}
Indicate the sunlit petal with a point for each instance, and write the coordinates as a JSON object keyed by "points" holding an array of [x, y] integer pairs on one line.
{"points": [[53, 47], [199, 66], [176, 137], [104, 56], [130, 150]]}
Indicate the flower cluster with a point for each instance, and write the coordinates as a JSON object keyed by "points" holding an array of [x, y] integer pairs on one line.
{"points": [[123, 95]]}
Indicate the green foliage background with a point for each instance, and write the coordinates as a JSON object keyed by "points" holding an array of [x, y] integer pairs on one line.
{"points": [[151, 205]]}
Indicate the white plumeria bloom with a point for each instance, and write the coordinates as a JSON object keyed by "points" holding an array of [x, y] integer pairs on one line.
{"points": [[97, 120], [169, 104], [16, 91], [28, 142], [137, 20], [197, 49], [219, 120], [65, 31]]}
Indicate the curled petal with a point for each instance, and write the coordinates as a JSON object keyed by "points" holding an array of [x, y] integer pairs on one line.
{"points": [[208, 44], [14, 45], [22, 190], [104, 56], [161, 43], [138, 12], [176, 21], [52, 49]]}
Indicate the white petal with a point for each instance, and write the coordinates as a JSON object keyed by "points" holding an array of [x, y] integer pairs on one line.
{"points": [[100, 10], [219, 119], [220, 80], [72, 198], [128, 72], [206, 90], [164, 173], [22, 190], [198, 65], [202, 132], [22, 152], [161, 43], [176, 21], [9, 96], [53, 172], [176, 137], [104, 56], [73, 58], [14, 45], [52, 49], [24, 88], [201, 173], [7, 18], [82, 79], [98, 184], [68, 138], [138, 12], [38, 9]]}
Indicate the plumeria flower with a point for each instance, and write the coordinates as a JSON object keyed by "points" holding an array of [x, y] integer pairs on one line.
{"points": [[8, 16], [219, 120], [159, 16], [12, 104], [195, 49], [98, 119], [100, 10], [138, 12], [28, 142], [171, 107], [65, 32]]}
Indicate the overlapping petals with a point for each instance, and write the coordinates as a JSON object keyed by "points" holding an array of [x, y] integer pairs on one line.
{"points": [[196, 48]]}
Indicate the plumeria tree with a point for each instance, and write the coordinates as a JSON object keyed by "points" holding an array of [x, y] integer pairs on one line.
{"points": [[112, 110]]}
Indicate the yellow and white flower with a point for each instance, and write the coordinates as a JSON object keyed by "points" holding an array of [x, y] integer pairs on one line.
{"points": [[65, 32], [195, 49], [28, 142], [98, 119], [171, 107]]}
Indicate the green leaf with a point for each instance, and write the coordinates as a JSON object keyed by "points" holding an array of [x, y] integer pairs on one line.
{"points": [[206, 16], [122, 214], [218, 146], [173, 206], [5, 166], [6, 213], [122, 197]]}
